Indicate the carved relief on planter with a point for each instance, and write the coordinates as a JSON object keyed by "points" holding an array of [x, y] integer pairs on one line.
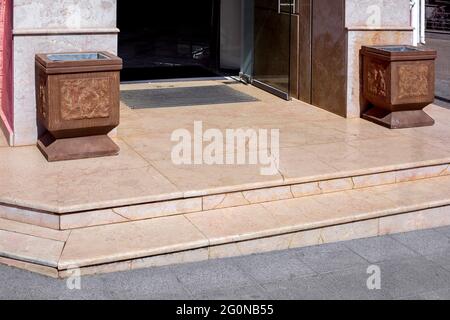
{"points": [[42, 103], [85, 98], [413, 80], [377, 78]]}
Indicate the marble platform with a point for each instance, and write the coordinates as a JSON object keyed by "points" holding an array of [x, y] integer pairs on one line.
{"points": [[343, 172]]}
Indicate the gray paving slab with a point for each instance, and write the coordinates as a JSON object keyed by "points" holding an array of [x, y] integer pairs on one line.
{"points": [[330, 257], [380, 249], [308, 288], [445, 231], [212, 275], [279, 266], [351, 284], [425, 242], [441, 258], [404, 278], [241, 293]]}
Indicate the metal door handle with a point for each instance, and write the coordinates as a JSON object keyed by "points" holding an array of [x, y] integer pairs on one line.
{"points": [[289, 3]]}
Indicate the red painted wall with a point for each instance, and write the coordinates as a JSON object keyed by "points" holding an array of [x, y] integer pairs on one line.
{"points": [[6, 101]]}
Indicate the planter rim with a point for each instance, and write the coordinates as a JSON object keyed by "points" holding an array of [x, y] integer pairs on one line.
{"points": [[395, 52], [107, 60]]}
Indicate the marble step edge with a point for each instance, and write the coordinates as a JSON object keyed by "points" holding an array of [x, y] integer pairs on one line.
{"points": [[426, 214], [393, 224], [244, 197]]}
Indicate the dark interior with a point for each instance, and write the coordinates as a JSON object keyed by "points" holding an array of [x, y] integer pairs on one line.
{"points": [[169, 39]]}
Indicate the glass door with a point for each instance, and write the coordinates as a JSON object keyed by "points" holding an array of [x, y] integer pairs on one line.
{"points": [[272, 46]]}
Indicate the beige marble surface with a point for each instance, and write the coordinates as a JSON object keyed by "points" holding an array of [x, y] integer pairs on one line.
{"points": [[276, 225], [3, 141], [315, 146], [31, 249], [130, 240]]}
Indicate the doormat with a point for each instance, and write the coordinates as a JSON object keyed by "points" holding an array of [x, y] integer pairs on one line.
{"points": [[182, 97]]}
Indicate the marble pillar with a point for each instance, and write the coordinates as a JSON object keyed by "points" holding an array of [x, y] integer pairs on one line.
{"points": [[372, 22], [332, 33]]}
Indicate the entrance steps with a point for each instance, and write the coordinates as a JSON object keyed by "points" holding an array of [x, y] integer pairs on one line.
{"points": [[278, 218]]}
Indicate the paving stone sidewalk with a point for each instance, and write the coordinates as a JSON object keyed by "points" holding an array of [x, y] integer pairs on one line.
{"points": [[413, 265]]}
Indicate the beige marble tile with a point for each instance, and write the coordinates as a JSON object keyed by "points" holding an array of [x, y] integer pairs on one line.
{"points": [[224, 200], [398, 151], [447, 171], [356, 129], [31, 230], [336, 185], [437, 135], [305, 189], [372, 180], [420, 173], [3, 141], [405, 222], [327, 209], [201, 180], [350, 231], [30, 249], [89, 219], [36, 218], [235, 249], [127, 159], [189, 256], [119, 188], [306, 238], [268, 194], [36, 268], [311, 133], [131, 240], [418, 195], [152, 146], [435, 218], [160, 209], [362, 157], [417, 220], [223, 251], [95, 270], [235, 224], [440, 114], [299, 165], [23, 170], [298, 214]]}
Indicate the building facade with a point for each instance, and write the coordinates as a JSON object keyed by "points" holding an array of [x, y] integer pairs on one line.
{"points": [[303, 49]]}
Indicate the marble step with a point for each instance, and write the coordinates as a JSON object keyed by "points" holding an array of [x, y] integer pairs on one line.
{"points": [[239, 196], [276, 225]]}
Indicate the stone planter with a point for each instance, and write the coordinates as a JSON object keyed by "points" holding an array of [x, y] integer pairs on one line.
{"points": [[78, 99], [398, 82]]}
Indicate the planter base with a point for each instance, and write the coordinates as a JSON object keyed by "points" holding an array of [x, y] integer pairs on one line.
{"points": [[399, 119], [76, 148]]}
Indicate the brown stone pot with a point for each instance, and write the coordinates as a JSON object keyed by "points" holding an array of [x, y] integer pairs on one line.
{"points": [[78, 101], [398, 82]]}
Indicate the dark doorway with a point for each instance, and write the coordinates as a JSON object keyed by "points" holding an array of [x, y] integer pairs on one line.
{"points": [[169, 39]]}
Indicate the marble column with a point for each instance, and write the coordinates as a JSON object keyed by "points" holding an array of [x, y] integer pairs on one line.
{"points": [[332, 33], [44, 26], [372, 22]]}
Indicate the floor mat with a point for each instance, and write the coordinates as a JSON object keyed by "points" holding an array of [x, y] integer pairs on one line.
{"points": [[186, 96]]}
